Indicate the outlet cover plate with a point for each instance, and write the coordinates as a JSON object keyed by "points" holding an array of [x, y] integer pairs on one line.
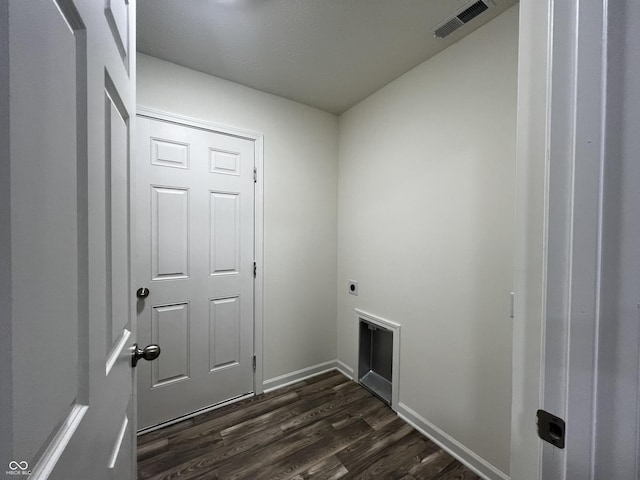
{"points": [[352, 287]]}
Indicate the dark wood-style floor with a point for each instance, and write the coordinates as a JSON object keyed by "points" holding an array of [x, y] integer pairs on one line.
{"points": [[327, 427]]}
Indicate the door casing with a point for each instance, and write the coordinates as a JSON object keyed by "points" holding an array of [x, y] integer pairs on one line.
{"points": [[570, 63]]}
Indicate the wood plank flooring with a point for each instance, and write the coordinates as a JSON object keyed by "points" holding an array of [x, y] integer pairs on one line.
{"points": [[327, 427]]}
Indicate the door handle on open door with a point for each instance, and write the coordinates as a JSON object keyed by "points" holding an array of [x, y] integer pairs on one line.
{"points": [[150, 352]]}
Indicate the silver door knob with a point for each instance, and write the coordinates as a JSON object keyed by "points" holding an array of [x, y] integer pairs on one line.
{"points": [[150, 352]]}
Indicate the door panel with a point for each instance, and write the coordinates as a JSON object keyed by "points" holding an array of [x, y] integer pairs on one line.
{"points": [[170, 328], [117, 219], [224, 331], [71, 316], [169, 154], [45, 218], [195, 210], [117, 13], [169, 232], [224, 232]]}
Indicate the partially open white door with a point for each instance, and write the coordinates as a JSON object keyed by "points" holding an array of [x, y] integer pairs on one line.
{"points": [[72, 101]]}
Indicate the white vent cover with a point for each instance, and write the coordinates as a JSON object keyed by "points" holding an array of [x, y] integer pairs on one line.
{"points": [[465, 15]]}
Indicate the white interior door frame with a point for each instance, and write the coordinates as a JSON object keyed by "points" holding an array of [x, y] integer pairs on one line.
{"points": [[574, 231], [258, 140], [591, 337], [567, 163], [546, 130], [532, 159]]}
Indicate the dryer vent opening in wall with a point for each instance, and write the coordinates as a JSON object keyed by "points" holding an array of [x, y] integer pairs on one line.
{"points": [[465, 15], [375, 363], [378, 368]]}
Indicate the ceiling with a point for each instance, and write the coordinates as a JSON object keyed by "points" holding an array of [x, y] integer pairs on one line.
{"points": [[329, 54]]}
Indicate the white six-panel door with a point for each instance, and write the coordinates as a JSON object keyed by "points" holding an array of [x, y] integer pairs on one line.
{"points": [[195, 254], [72, 91]]}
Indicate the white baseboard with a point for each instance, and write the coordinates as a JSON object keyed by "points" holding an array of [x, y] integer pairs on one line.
{"points": [[344, 369], [450, 445], [299, 375]]}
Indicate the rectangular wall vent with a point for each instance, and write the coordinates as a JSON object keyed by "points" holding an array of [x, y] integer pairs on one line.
{"points": [[468, 13]]}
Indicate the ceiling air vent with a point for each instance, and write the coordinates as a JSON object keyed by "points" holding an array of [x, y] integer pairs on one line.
{"points": [[468, 13]]}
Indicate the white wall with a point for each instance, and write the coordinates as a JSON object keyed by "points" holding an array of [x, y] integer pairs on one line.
{"points": [[426, 225], [300, 171]]}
